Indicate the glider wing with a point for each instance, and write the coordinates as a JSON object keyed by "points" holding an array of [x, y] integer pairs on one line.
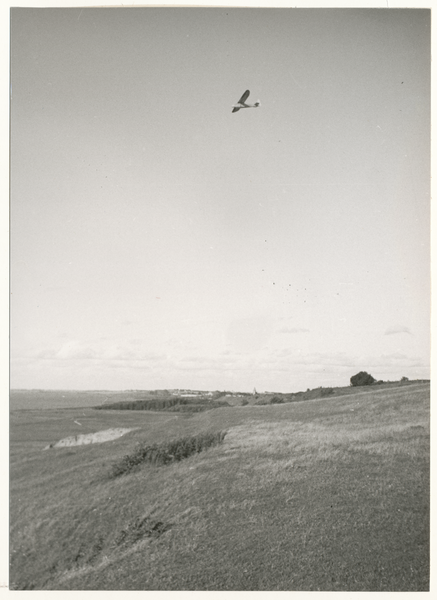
{"points": [[244, 97]]}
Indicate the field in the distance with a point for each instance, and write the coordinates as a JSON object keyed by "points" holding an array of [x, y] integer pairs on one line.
{"points": [[323, 494]]}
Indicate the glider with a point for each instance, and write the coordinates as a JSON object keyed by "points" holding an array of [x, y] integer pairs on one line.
{"points": [[243, 104]]}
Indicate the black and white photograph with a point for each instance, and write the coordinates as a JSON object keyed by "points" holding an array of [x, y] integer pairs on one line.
{"points": [[219, 299]]}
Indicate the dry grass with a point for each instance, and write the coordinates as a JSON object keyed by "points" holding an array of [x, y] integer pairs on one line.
{"points": [[316, 495]]}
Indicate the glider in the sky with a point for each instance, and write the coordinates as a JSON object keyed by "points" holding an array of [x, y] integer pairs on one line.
{"points": [[243, 104]]}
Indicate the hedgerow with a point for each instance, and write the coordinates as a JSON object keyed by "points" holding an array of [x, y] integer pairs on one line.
{"points": [[168, 404]]}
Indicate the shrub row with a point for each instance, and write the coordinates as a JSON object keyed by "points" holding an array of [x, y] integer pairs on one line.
{"points": [[167, 452], [170, 404]]}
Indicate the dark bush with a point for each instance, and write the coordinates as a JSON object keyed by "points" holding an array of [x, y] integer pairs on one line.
{"points": [[326, 392], [362, 378], [167, 452]]}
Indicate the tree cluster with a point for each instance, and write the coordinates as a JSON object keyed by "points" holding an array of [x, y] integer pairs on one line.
{"points": [[362, 378]]}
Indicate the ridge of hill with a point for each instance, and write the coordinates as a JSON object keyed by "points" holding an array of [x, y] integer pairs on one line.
{"points": [[21, 399]]}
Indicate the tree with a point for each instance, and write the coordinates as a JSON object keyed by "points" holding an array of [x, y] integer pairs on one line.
{"points": [[362, 378]]}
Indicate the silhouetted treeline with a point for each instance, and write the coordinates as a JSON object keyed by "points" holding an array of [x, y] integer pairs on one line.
{"points": [[175, 404]]}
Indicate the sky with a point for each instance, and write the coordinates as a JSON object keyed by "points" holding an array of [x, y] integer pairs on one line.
{"points": [[160, 241]]}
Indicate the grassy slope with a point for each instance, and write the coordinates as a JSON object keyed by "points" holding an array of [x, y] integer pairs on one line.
{"points": [[318, 495]]}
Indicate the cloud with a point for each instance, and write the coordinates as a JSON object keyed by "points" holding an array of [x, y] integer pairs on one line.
{"points": [[97, 350], [293, 330], [394, 356], [397, 329], [74, 349], [195, 359], [289, 355], [397, 360], [136, 355], [138, 364], [210, 363]]}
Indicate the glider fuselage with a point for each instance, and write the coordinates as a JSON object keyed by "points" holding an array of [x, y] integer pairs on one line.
{"points": [[241, 105]]}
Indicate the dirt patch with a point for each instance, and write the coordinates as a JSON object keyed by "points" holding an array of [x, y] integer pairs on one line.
{"points": [[106, 435]]}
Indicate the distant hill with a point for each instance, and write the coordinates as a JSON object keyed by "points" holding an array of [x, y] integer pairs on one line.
{"points": [[37, 399]]}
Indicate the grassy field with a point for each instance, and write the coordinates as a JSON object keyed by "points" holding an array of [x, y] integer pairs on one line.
{"points": [[324, 494]]}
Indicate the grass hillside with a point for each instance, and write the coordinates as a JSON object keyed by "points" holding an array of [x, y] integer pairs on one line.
{"points": [[323, 494]]}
